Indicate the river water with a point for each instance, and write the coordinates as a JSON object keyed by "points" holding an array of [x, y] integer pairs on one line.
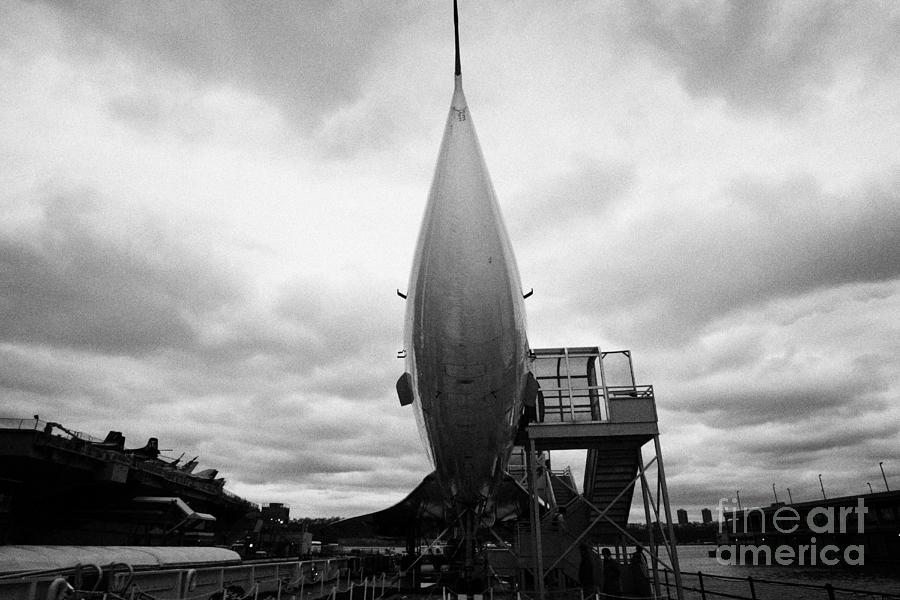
{"points": [[696, 558]]}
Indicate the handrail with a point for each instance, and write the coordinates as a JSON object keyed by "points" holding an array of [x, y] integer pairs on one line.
{"points": [[332, 568], [564, 405], [751, 581], [40, 425], [578, 396], [10, 423]]}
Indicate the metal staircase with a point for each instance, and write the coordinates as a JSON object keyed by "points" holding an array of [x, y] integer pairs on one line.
{"points": [[563, 484], [608, 472], [555, 542]]}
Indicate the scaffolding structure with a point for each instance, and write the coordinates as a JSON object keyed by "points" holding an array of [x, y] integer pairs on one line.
{"points": [[588, 400]]}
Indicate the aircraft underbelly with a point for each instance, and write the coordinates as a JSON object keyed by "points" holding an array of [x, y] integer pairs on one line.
{"points": [[470, 367], [467, 354]]}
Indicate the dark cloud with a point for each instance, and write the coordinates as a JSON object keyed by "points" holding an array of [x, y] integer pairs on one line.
{"points": [[31, 373], [317, 463], [347, 316], [72, 281], [766, 55], [303, 439], [772, 395], [828, 240], [801, 444], [78, 279], [361, 377], [756, 242], [747, 438], [751, 460], [311, 58], [334, 335]]}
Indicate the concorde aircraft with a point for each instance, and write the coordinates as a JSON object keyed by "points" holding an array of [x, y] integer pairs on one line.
{"points": [[467, 357]]}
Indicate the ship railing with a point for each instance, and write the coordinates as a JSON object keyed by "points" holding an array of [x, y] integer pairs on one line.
{"points": [[7, 423], [161, 469], [237, 498], [499, 589], [706, 586], [84, 448], [74, 445], [308, 579], [172, 474], [46, 426]]}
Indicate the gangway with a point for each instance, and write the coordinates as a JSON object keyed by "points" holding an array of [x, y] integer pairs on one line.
{"points": [[589, 400]]}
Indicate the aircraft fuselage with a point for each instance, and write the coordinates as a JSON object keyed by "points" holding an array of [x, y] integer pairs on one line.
{"points": [[467, 352]]}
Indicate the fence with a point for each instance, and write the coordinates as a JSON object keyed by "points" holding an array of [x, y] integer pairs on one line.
{"points": [[705, 586]]}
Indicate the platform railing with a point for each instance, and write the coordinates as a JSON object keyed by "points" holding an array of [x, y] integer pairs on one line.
{"points": [[569, 404], [575, 387], [589, 404]]}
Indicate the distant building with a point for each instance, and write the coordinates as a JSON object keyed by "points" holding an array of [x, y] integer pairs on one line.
{"points": [[682, 517], [276, 512], [707, 515]]}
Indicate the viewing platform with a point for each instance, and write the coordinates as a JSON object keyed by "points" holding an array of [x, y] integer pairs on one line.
{"points": [[588, 400]]}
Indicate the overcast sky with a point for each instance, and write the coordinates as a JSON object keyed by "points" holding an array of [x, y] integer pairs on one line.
{"points": [[207, 208]]}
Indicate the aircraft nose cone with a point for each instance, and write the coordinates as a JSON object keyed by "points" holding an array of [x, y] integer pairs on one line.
{"points": [[459, 97]]}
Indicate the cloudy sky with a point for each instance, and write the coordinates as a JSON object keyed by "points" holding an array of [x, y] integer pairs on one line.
{"points": [[207, 208]]}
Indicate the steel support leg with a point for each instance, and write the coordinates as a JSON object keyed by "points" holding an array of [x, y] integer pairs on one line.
{"points": [[679, 590], [653, 549], [535, 522]]}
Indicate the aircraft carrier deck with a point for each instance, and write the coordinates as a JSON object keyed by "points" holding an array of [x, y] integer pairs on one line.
{"points": [[60, 486]]}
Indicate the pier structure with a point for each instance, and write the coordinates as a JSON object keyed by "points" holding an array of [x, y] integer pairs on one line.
{"points": [[589, 400], [862, 527]]}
